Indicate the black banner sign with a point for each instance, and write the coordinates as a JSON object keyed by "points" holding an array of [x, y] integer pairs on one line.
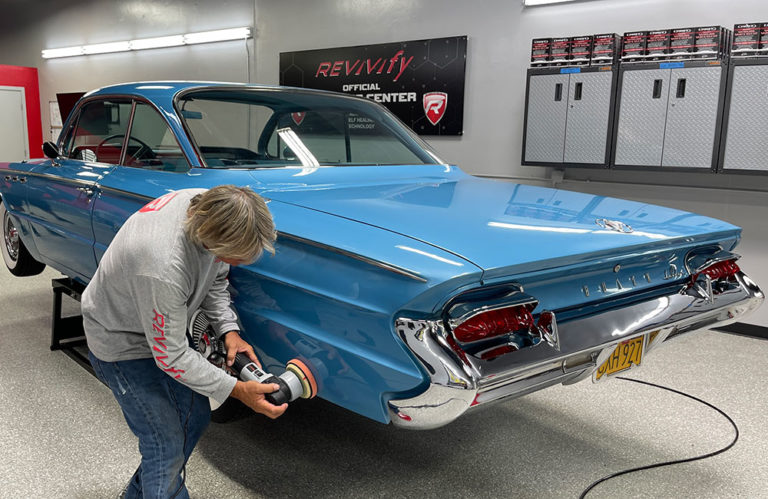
{"points": [[421, 81]]}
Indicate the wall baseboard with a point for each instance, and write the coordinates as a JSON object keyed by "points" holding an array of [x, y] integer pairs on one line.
{"points": [[746, 330]]}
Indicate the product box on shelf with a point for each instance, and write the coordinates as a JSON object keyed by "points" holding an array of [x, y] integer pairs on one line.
{"points": [[682, 43], [541, 51], [606, 48], [581, 50], [709, 42], [746, 39], [634, 47], [561, 51], [763, 39], [658, 44]]}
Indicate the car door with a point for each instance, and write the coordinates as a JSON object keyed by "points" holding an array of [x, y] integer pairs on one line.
{"points": [[60, 194], [153, 164]]}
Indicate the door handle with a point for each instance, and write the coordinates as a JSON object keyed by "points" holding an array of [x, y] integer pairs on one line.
{"points": [[88, 191], [577, 91], [681, 88], [657, 84], [8, 178]]}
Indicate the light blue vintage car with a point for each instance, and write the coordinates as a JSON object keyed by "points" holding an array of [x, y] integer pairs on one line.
{"points": [[414, 291]]}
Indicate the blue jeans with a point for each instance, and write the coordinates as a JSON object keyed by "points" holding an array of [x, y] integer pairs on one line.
{"points": [[167, 417]]}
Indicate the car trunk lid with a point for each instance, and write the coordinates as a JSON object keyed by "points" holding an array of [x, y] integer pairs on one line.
{"points": [[501, 227]]}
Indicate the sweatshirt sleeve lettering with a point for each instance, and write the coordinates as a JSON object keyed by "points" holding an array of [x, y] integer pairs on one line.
{"points": [[160, 349]]}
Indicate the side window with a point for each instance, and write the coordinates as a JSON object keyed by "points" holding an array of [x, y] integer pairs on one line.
{"points": [[100, 131], [152, 144]]}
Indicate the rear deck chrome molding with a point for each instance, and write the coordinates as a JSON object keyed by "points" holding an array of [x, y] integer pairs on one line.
{"points": [[356, 256], [458, 382]]}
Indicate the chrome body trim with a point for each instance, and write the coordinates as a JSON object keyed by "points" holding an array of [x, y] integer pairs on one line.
{"points": [[67, 180], [463, 311], [356, 256], [125, 193], [458, 383], [696, 263]]}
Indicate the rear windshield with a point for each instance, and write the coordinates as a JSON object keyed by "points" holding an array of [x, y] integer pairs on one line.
{"points": [[257, 128]]}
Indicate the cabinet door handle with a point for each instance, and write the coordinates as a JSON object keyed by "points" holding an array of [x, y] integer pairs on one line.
{"points": [[577, 91], [657, 84], [558, 92], [681, 88]]}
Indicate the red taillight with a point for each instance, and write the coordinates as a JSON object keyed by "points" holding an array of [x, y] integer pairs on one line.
{"points": [[721, 270], [494, 323], [717, 271]]}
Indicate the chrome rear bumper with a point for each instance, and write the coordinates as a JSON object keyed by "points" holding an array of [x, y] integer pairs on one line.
{"points": [[460, 382]]}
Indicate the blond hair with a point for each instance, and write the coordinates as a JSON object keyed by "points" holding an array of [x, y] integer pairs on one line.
{"points": [[231, 222]]}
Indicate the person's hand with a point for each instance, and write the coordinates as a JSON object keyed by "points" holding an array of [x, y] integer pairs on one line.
{"points": [[234, 345], [251, 393]]}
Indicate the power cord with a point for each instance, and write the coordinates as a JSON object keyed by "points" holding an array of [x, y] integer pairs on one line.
{"points": [[668, 463]]}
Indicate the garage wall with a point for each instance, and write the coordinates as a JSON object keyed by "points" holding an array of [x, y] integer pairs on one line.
{"points": [[498, 50], [81, 22]]}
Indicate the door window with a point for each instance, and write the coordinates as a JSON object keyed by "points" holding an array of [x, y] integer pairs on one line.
{"points": [[100, 131], [152, 144]]}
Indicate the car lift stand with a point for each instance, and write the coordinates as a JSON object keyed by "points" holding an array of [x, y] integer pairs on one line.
{"points": [[67, 332]]}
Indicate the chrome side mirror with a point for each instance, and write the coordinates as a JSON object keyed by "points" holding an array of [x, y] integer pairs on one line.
{"points": [[51, 151]]}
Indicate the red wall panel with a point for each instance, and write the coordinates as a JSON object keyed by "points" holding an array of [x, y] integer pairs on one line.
{"points": [[16, 76]]}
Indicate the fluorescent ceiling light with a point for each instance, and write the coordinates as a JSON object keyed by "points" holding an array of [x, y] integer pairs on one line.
{"points": [[65, 52], [106, 48], [217, 36], [221, 35], [154, 43], [531, 3]]}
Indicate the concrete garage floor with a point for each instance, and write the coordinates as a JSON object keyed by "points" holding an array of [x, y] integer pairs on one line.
{"points": [[62, 434]]}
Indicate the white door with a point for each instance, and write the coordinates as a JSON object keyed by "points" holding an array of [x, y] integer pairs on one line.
{"points": [[14, 142]]}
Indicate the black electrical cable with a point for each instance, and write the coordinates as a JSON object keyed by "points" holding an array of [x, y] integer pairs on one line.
{"points": [[669, 463]]}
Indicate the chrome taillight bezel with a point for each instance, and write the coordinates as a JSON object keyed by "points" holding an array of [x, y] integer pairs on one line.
{"points": [[541, 328], [698, 262]]}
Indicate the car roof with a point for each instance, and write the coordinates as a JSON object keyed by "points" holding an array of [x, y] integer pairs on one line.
{"points": [[163, 93], [153, 88]]}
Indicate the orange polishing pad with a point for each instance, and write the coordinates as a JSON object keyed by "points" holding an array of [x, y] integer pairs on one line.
{"points": [[308, 383]]}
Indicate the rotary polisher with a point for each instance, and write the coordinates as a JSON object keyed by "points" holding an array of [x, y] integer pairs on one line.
{"points": [[295, 382]]}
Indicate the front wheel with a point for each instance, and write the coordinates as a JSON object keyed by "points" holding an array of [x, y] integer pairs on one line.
{"points": [[15, 254]]}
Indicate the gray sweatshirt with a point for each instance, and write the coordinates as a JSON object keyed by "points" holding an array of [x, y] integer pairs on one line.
{"points": [[148, 284]]}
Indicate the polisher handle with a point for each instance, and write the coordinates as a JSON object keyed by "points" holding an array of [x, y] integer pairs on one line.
{"points": [[247, 370]]}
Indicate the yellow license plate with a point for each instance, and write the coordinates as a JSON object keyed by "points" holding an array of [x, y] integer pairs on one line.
{"points": [[626, 355]]}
